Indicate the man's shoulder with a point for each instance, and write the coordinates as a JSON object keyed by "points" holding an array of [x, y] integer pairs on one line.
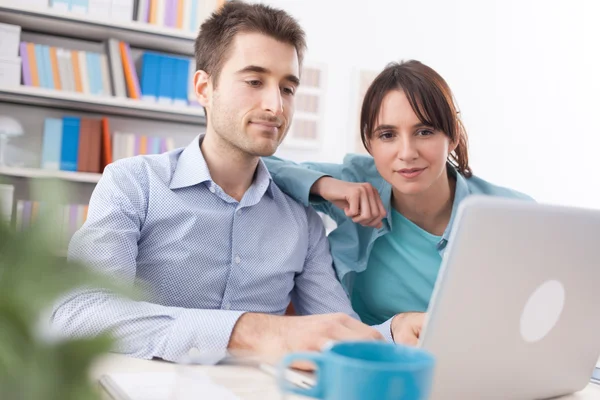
{"points": [[144, 168], [289, 205]]}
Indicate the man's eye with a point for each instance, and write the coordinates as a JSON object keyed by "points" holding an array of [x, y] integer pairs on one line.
{"points": [[254, 83]]}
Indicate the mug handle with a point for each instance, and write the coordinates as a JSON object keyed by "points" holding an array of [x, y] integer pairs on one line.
{"points": [[317, 390]]}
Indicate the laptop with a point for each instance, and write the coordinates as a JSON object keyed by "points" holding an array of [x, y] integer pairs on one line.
{"points": [[514, 312]]}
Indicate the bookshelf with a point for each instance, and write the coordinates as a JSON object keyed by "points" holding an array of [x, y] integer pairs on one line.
{"points": [[44, 173], [138, 34], [28, 95], [88, 35]]}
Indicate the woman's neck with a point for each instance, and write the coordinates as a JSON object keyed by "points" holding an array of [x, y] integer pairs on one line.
{"points": [[430, 210]]}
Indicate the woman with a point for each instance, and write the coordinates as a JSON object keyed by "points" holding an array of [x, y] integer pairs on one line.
{"points": [[405, 195]]}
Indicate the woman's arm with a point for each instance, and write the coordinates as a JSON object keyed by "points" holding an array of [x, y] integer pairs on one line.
{"points": [[322, 184]]}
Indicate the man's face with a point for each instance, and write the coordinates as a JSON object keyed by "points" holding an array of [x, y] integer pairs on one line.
{"points": [[252, 105]]}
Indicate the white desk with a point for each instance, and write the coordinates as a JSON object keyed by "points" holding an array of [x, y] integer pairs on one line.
{"points": [[246, 382]]}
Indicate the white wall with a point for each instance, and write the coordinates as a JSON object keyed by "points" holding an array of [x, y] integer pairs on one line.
{"points": [[526, 74]]}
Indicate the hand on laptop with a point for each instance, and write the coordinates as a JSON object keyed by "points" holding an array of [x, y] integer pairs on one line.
{"points": [[406, 327], [359, 201], [272, 336]]}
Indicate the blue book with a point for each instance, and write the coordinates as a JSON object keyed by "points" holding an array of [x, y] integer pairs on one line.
{"points": [[165, 81], [180, 83], [70, 144], [194, 16], [150, 76], [94, 73], [97, 62], [155, 145], [48, 67], [40, 61], [52, 144]]}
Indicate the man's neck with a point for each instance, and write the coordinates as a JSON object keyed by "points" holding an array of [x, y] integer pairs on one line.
{"points": [[230, 168], [430, 210]]}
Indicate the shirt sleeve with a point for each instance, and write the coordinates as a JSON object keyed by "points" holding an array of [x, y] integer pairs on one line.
{"points": [[317, 289], [297, 179], [107, 242]]}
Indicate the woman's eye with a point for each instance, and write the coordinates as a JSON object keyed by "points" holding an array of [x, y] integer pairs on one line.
{"points": [[386, 135], [425, 132]]}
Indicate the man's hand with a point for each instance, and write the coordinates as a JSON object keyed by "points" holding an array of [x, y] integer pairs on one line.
{"points": [[406, 327], [359, 201], [273, 336]]}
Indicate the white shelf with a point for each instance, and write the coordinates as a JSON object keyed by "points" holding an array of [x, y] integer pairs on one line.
{"points": [[43, 173], [102, 104], [138, 34]]}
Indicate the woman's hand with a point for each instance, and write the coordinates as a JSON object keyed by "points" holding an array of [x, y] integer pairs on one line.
{"points": [[406, 327], [359, 201]]}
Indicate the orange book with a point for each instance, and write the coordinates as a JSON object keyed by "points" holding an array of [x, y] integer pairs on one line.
{"points": [[85, 212], [129, 74], [35, 78], [179, 23], [143, 145], [106, 156], [153, 12], [76, 71], [54, 65]]}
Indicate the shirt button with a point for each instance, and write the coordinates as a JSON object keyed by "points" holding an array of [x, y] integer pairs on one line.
{"points": [[238, 212], [227, 306], [237, 259], [212, 189]]}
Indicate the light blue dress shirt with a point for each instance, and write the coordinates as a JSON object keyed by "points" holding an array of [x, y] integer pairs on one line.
{"points": [[351, 244], [203, 257]]}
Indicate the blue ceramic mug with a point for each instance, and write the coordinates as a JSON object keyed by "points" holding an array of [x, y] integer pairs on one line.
{"points": [[365, 370]]}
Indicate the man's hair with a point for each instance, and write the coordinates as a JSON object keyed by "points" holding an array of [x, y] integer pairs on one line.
{"points": [[218, 31]]}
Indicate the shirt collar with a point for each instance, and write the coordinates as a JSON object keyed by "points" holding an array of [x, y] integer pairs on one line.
{"points": [[191, 169], [461, 191]]}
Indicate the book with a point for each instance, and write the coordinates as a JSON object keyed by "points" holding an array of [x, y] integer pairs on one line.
{"points": [[52, 144], [55, 68], [116, 68], [31, 55], [104, 70], [150, 76], [26, 72], [107, 152], [130, 67], [76, 69], [69, 144], [84, 71]]}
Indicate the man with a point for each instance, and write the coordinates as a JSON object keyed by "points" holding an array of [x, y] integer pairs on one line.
{"points": [[220, 247]]}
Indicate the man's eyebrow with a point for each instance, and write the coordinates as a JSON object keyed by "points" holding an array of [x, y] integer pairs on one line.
{"points": [[262, 70]]}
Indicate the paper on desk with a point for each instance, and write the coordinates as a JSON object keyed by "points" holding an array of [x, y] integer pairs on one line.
{"points": [[164, 386]]}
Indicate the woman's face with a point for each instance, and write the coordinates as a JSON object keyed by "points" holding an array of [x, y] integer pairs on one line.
{"points": [[408, 154]]}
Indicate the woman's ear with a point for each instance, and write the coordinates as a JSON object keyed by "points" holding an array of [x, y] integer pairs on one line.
{"points": [[203, 87], [453, 145]]}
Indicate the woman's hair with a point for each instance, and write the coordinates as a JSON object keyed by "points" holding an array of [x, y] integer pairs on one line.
{"points": [[430, 98]]}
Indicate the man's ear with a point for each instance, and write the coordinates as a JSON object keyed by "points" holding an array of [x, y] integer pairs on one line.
{"points": [[202, 87]]}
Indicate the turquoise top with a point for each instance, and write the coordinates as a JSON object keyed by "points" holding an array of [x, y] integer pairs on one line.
{"points": [[400, 274], [352, 244]]}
